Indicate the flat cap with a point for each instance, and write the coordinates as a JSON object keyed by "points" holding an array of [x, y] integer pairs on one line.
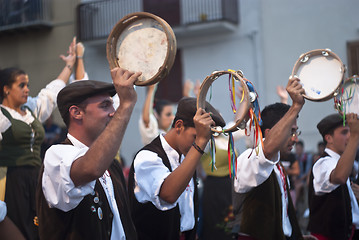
{"points": [[329, 123], [187, 108], [77, 92]]}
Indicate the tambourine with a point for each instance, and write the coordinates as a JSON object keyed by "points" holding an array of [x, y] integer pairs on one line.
{"points": [[142, 42], [243, 107], [320, 72], [347, 98]]}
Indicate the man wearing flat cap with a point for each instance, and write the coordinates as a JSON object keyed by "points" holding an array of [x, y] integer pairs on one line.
{"points": [[162, 179], [263, 204], [81, 192], [334, 212]]}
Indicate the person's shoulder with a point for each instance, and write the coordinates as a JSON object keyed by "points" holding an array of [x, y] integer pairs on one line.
{"points": [[59, 151]]}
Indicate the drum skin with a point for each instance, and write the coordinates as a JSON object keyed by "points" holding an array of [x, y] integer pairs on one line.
{"points": [[320, 72], [142, 42]]}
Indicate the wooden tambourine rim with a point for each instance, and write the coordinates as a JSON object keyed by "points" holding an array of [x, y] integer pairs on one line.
{"points": [[128, 20], [244, 106], [337, 94], [314, 53]]}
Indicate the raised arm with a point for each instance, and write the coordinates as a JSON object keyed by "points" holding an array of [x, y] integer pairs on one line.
{"points": [[102, 152], [342, 171], [147, 107], [80, 66], [69, 60], [279, 134], [174, 185]]}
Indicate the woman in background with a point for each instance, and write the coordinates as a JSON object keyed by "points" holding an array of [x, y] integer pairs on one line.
{"points": [[21, 135]]}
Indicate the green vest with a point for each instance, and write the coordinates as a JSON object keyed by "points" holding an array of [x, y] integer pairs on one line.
{"points": [[21, 142]]}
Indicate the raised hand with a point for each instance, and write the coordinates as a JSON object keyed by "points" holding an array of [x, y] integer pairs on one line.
{"points": [[123, 81], [295, 91], [282, 93], [70, 59], [203, 122]]}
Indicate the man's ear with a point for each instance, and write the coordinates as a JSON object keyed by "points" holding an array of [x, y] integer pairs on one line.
{"points": [[6, 89], [266, 131], [179, 125], [75, 112], [156, 115], [328, 138]]}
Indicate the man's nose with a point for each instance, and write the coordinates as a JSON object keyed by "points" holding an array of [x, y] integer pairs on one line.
{"points": [[112, 112], [294, 138]]}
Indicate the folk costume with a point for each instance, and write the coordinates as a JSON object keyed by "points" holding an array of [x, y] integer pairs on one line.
{"points": [[264, 205], [153, 217], [96, 210], [20, 141], [334, 211]]}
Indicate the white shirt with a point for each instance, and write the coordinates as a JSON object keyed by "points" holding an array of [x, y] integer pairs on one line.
{"points": [[150, 172], [321, 184], [60, 191], [253, 171], [42, 106]]}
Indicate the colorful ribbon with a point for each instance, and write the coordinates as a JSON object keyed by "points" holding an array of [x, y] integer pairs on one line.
{"points": [[232, 160], [213, 153]]}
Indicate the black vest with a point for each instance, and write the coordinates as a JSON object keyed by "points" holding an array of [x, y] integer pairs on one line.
{"points": [[151, 223], [331, 213], [83, 222], [260, 212]]}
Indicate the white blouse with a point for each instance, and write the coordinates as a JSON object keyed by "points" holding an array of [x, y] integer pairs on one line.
{"points": [[42, 105]]}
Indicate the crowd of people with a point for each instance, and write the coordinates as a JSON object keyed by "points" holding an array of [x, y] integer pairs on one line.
{"points": [[75, 186]]}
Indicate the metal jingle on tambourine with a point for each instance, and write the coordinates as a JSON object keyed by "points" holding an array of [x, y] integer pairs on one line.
{"points": [[218, 130], [305, 58], [252, 96]]}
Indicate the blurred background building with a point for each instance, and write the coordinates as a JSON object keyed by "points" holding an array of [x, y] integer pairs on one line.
{"points": [[262, 38]]}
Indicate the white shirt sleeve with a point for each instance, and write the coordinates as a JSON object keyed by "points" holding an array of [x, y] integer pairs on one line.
{"points": [[3, 211], [150, 172], [72, 78], [150, 133], [58, 188], [321, 173], [45, 102], [253, 170]]}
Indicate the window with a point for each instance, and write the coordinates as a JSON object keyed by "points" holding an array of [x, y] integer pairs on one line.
{"points": [[353, 58]]}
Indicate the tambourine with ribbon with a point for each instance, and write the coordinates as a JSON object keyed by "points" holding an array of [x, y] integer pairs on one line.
{"points": [[320, 72], [142, 42], [246, 110], [346, 99]]}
